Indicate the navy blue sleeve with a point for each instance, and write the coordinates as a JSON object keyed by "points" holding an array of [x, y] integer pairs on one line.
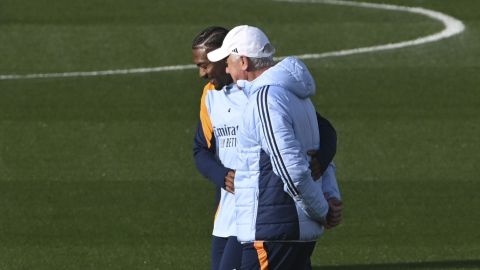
{"points": [[206, 161], [328, 142]]}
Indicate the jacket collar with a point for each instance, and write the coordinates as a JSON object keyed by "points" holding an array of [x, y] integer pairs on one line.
{"points": [[246, 87]]}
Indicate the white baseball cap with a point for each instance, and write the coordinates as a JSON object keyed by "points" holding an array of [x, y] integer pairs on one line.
{"points": [[243, 40]]}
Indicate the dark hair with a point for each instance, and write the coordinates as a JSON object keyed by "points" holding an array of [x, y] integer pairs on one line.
{"points": [[211, 38]]}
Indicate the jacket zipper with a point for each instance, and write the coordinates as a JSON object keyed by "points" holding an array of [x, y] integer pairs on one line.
{"points": [[255, 207]]}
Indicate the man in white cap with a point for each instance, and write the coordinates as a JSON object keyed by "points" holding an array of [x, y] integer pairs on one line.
{"points": [[280, 209]]}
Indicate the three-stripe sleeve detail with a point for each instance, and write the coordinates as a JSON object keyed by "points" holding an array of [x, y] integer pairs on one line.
{"points": [[260, 106], [264, 114]]}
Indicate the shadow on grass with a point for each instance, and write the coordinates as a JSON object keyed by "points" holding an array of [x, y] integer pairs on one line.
{"points": [[470, 264]]}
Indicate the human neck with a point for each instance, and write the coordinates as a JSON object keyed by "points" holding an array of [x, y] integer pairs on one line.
{"points": [[252, 75]]}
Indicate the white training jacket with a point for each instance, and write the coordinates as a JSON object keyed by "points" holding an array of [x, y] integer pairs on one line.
{"points": [[276, 198]]}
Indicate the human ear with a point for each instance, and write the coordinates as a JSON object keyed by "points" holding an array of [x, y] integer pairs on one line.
{"points": [[244, 63]]}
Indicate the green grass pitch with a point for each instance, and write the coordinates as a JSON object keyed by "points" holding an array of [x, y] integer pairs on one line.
{"points": [[97, 172]]}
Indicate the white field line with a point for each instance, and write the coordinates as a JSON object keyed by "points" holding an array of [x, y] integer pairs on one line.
{"points": [[95, 73], [452, 27]]}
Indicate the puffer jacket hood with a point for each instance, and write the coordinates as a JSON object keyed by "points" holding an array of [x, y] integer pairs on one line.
{"points": [[290, 74]]}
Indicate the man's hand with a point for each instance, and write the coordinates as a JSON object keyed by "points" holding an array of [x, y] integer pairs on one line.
{"points": [[229, 187], [334, 215], [315, 167]]}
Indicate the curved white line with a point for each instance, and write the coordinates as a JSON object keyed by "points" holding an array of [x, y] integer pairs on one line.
{"points": [[452, 27]]}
